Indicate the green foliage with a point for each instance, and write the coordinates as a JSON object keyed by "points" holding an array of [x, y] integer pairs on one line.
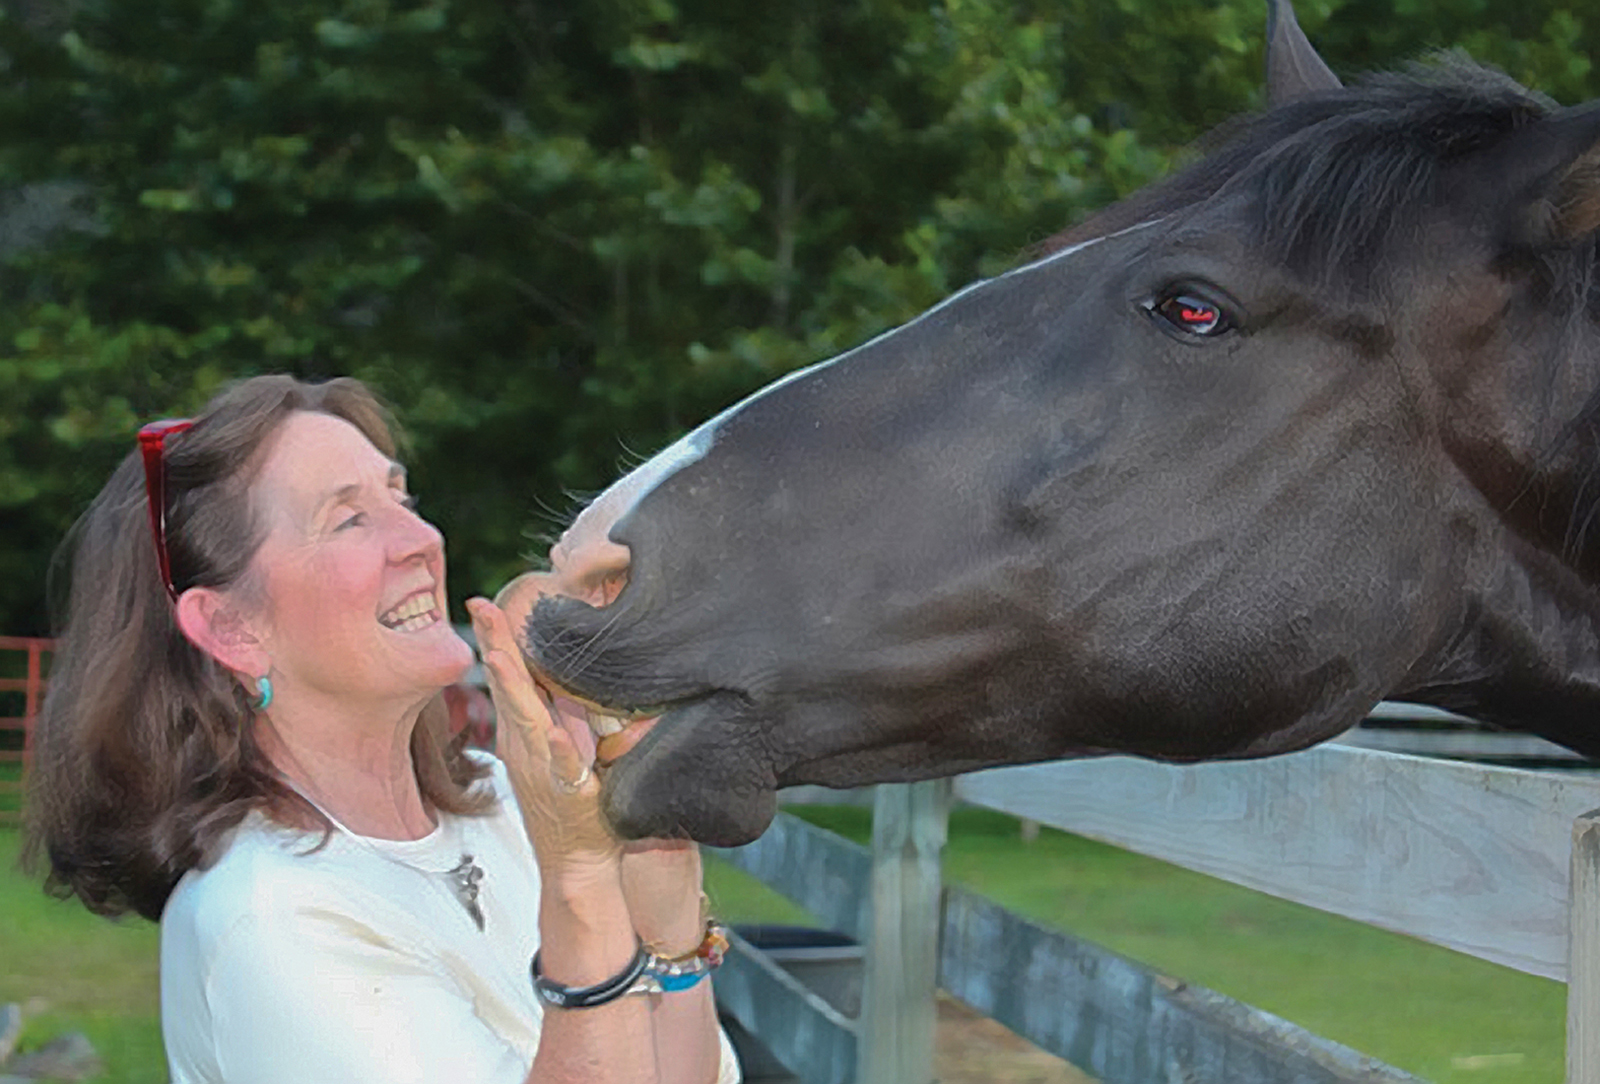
{"points": [[554, 235]]}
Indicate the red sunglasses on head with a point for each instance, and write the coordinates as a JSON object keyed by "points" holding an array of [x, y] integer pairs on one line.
{"points": [[152, 444]]}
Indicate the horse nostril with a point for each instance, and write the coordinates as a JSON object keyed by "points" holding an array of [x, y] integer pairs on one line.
{"points": [[598, 589], [592, 569], [610, 587]]}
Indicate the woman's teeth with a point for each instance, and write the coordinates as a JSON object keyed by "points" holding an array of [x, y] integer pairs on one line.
{"points": [[412, 615]]}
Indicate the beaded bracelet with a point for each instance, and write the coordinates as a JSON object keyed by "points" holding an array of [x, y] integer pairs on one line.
{"points": [[588, 997], [671, 974]]}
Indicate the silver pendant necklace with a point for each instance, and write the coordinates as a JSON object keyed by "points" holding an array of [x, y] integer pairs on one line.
{"points": [[463, 879]]}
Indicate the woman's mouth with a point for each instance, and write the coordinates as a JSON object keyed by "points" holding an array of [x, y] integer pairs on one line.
{"points": [[413, 614]]}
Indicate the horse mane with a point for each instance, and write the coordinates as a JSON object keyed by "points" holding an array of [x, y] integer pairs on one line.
{"points": [[1340, 176]]}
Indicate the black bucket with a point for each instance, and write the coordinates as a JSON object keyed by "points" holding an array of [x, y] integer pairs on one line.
{"points": [[827, 962]]}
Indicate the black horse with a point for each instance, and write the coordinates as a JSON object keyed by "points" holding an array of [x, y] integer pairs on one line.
{"points": [[1310, 424]]}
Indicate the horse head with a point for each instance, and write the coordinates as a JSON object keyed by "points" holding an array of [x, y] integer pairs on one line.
{"points": [[1307, 425]]}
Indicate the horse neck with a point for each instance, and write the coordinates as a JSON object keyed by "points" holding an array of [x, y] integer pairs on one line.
{"points": [[1525, 651]]}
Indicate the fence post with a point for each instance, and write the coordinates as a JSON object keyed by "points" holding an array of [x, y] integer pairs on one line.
{"points": [[1583, 953], [898, 1011]]}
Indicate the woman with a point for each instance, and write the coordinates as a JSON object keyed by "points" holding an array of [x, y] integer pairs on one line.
{"points": [[240, 741]]}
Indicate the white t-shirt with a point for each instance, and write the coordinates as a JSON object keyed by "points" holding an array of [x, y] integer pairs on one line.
{"points": [[357, 962]]}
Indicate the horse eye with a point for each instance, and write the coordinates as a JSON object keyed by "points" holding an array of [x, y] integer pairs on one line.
{"points": [[1192, 315]]}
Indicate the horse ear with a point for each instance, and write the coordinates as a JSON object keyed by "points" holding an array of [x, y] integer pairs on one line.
{"points": [[1294, 69], [1554, 178]]}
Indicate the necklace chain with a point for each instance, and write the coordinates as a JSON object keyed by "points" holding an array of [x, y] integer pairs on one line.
{"points": [[464, 878]]}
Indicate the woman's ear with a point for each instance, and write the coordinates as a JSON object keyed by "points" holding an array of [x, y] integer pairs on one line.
{"points": [[219, 626]]}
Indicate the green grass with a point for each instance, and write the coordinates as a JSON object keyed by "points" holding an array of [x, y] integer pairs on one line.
{"points": [[73, 971], [1446, 1017], [1413, 1005]]}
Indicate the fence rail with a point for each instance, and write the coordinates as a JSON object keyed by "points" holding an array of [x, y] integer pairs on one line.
{"points": [[1500, 863], [1122, 1022], [1414, 728], [18, 751], [1468, 856]]}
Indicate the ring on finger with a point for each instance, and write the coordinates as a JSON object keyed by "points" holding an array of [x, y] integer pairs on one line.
{"points": [[575, 785]]}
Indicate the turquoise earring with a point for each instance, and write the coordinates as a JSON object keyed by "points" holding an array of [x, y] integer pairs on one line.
{"points": [[263, 693]]}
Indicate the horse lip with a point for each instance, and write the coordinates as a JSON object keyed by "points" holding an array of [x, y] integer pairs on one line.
{"points": [[606, 753], [645, 791], [628, 714]]}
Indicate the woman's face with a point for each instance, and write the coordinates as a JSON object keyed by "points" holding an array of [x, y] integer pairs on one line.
{"points": [[352, 579]]}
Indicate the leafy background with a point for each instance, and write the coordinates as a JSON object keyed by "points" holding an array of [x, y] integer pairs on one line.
{"points": [[558, 233]]}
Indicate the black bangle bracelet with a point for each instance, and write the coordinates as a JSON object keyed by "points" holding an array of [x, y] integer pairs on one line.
{"points": [[588, 997]]}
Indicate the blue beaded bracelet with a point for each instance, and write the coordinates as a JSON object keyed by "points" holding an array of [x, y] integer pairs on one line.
{"points": [[668, 976]]}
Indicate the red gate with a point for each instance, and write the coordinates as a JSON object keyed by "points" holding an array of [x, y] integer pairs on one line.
{"points": [[14, 751]]}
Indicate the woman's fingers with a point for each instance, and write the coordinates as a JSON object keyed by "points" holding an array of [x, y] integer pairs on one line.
{"points": [[572, 766], [573, 720], [554, 782], [544, 721], [514, 691]]}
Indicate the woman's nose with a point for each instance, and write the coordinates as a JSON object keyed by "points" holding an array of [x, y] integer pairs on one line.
{"points": [[415, 537]]}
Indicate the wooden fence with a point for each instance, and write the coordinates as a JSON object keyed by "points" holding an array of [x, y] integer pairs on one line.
{"points": [[1425, 731], [1496, 862], [28, 689]]}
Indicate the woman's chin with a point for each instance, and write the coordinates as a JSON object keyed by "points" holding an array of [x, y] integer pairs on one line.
{"points": [[460, 664], [437, 658]]}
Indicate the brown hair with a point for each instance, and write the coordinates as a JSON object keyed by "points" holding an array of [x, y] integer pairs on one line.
{"points": [[144, 753]]}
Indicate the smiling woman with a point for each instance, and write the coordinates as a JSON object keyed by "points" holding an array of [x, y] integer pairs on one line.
{"points": [[241, 741]]}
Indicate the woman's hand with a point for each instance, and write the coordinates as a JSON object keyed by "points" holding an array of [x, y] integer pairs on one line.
{"points": [[661, 878], [544, 753]]}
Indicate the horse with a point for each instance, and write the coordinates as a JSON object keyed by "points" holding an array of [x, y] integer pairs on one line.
{"points": [[1309, 424]]}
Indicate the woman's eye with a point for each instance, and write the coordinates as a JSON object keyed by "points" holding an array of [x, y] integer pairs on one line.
{"points": [[409, 501], [352, 521], [1192, 315]]}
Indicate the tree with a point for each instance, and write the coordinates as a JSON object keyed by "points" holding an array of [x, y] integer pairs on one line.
{"points": [[553, 233]]}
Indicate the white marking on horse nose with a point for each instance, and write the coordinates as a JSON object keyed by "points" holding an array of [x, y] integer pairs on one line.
{"points": [[585, 563], [593, 525]]}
